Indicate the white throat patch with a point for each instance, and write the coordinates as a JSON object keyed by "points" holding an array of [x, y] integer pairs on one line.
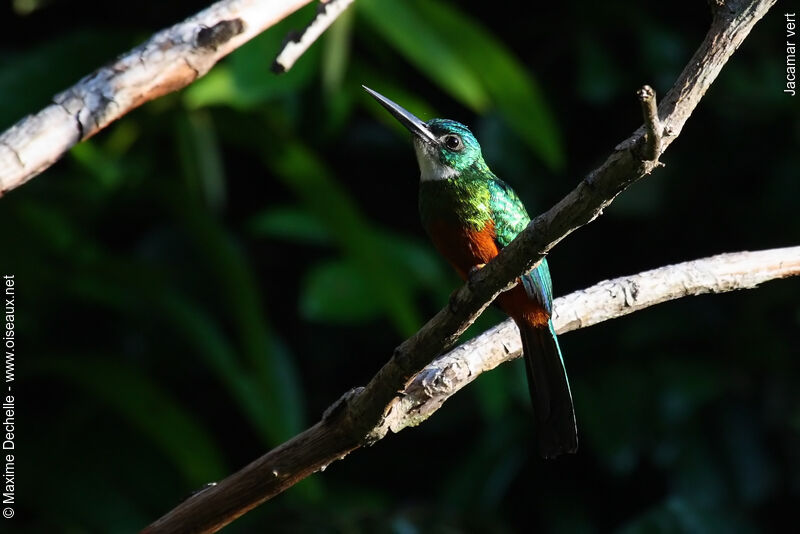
{"points": [[429, 165]]}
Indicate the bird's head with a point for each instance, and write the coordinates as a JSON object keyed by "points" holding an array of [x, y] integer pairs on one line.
{"points": [[445, 148]]}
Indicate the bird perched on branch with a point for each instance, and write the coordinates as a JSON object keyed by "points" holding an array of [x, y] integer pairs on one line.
{"points": [[470, 214]]}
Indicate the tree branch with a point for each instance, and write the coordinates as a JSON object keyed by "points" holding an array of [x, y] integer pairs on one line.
{"points": [[331, 438], [168, 61], [296, 45], [605, 300]]}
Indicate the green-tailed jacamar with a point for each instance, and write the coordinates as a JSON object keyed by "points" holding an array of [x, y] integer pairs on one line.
{"points": [[470, 214]]}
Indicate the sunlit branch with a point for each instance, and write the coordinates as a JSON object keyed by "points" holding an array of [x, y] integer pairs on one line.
{"points": [[171, 59], [606, 300]]}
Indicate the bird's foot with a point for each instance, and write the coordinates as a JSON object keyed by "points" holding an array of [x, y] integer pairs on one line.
{"points": [[473, 271]]}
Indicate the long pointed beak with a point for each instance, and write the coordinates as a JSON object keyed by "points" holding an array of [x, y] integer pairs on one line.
{"points": [[406, 118]]}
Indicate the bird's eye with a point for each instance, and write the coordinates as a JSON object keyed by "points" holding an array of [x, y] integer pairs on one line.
{"points": [[453, 142]]}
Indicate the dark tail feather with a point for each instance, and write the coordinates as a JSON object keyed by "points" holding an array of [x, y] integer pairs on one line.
{"points": [[552, 400]]}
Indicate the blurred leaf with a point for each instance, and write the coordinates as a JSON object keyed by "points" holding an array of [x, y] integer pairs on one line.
{"points": [[122, 136], [308, 177], [145, 406], [201, 158], [336, 52], [418, 260], [336, 292], [130, 289], [100, 165], [266, 356], [292, 223], [421, 43], [507, 81], [215, 88], [201, 332], [339, 284], [26, 7]]}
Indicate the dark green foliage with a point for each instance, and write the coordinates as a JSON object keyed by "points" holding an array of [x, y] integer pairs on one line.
{"points": [[200, 280]]}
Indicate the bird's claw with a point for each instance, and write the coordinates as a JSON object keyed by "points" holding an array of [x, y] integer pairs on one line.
{"points": [[473, 271]]}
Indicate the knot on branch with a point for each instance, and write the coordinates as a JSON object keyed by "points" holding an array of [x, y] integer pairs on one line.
{"points": [[218, 34]]}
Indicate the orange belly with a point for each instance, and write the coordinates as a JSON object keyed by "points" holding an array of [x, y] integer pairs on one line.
{"points": [[465, 248]]}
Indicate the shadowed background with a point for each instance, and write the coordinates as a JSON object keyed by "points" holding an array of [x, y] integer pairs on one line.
{"points": [[199, 281]]}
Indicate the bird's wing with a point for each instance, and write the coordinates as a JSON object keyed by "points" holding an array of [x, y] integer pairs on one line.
{"points": [[510, 218]]}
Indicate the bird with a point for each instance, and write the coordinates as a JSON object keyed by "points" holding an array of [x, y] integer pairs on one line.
{"points": [[470, 215]]}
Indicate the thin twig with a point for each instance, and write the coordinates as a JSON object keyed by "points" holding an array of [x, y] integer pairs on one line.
{"points": [[652, 146], [296, 45]]}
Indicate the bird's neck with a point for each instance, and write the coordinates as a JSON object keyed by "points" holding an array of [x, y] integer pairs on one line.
{"points": [[463, 200]]}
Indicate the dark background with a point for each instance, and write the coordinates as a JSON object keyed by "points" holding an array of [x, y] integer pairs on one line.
{"points": [[196, 283]]}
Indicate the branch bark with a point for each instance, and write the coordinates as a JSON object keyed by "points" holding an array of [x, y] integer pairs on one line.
{"points": [[331, 438], [168, 61]]}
